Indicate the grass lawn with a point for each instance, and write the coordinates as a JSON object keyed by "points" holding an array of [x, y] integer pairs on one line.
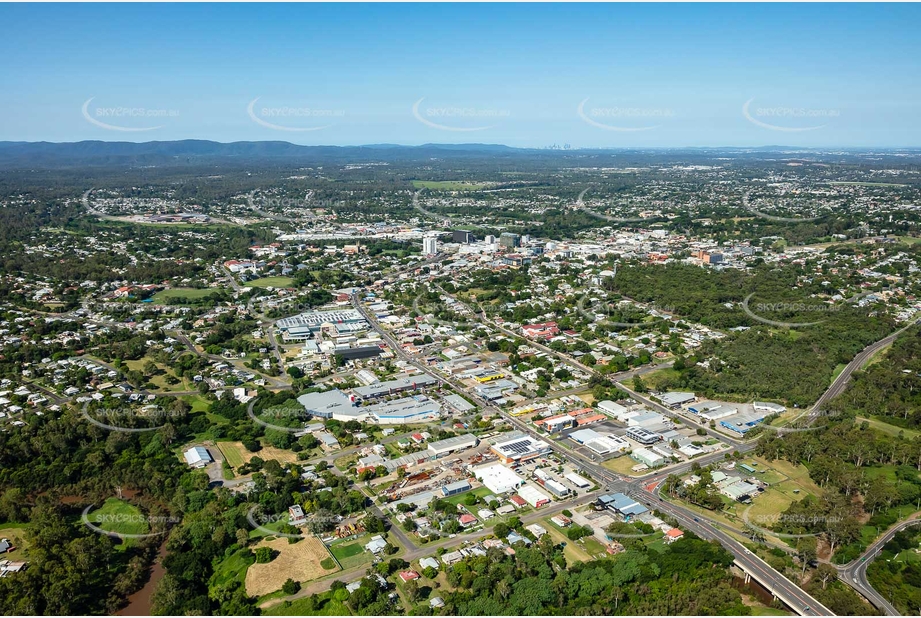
{"points": [[592, 547], [352, 553], [655, 378], [200, 404], [270, 282], [231, 453], [16, 533], [161, 298], [232, 568], [758, 610], [892, 430], [120, 517], [572, 551], [623, 465], [479, 492], [328, 606]]}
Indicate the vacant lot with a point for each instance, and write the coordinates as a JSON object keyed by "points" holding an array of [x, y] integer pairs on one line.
{"points": [[235, 454], [300, 561], [181, 294], [271, 282]]}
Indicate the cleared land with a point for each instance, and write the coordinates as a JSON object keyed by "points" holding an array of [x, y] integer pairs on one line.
{"points": [[235, 454], [270, 282], [300, 561], [162, 297]]}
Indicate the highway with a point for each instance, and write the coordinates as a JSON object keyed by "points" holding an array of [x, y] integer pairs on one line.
{"points": [[855, 573]]}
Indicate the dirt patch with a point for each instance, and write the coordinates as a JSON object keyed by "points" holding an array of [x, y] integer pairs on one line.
{"points": [[300, 561], [236, 454]]}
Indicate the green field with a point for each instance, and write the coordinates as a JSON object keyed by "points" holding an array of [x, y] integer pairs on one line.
{"points": [[892, 430], [450, 185], [16, 533], [121, 518], [232, 568], [161, 298], [270, 282], [352, 553], [328, 606]]}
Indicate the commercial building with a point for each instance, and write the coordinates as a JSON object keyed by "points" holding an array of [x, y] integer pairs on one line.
{"points": [[452, 489], [602, 444], [612, 408], [498, 479], [305, 325], [441, 448], [769, 408], [328, 403], [508, 240], [458, 403], [743, 423], [578, 481], [550, 484], [647, 457], [462, 236], [676, 399], [642, 435], [622, 504], [533, 496], [429, 245], [520, 449], [390, 387], [418, 409]]}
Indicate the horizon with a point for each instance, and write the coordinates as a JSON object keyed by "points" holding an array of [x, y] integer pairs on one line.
{"points": [[524, 76]]}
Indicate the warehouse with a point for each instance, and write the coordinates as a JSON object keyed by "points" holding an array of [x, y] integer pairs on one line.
{"points": [[578, 481], [447, 446], [602, 444], [328, 403], [769, 408], [498, 479], [612, 408], [642, 435], [742, 423], [645, 419], [675, 400], [459, 404], [380, 389], [417, 409], [533, 496], [556, 488], [198, 457], [647, 457], [452, 489]]}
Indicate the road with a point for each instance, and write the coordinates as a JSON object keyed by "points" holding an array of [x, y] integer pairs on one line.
{"points": [[855, 573], [793, 595]]}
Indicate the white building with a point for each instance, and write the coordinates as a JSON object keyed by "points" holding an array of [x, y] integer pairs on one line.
{"points": [[198, 457], [498, 479], [429, 246]]}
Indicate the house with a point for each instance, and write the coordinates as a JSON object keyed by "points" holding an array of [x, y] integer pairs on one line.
{"points": [[296, 515], [425, 563], [673, 535], [561, 520], [436, 602], [376, 545], [408, 576], [518, 501], [466, 520], [537, 530], [5, 546]]}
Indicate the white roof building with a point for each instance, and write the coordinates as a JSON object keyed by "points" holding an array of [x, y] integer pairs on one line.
{"points": [[498, 479], [198, 457]]}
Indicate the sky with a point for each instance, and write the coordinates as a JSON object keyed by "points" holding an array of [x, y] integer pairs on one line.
{"points": [[527, 75]]}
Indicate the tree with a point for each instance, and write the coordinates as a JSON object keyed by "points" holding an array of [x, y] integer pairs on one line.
{"points": [[826, 573], [264, 554], [291, 587]]}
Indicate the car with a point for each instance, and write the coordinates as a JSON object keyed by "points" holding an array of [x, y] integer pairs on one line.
{"points": [[697, 520]]}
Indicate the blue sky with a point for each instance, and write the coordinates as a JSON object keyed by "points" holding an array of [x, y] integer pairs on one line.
{"points": [[588, 75]]}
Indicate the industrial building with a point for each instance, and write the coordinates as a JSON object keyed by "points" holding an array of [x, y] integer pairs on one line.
{"points": [[520, 449], [675, 399], [452, 489], [441, 448], [612, 408], [743, 423], [647, 457], [533, 496], [198, 457], [498, 479], [602, 444], [642, 435], [769, 408], [622, 504], [305, 325], [550, 484], [381, 389]]}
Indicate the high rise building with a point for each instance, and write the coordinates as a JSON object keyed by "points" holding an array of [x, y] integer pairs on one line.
{"points": [[509, 240], [462, 236], [430, 246]]}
